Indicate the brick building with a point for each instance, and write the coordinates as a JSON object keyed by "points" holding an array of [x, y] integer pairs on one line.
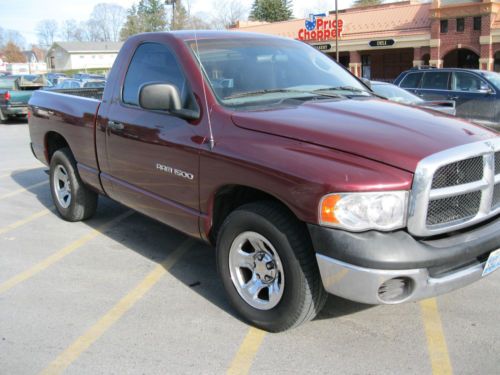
{"points": [[379, 42]]}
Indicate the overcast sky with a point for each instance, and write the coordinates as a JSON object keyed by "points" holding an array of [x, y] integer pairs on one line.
{"points": [[23, 15]]}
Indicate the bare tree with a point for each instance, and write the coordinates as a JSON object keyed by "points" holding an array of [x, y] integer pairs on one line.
{"points": [[71, 30], [227, 13], [46, 31], [106, 20]]}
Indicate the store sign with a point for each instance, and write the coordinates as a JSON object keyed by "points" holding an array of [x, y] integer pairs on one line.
{"points": [[381, 43], [317, 28], [322, 47]]}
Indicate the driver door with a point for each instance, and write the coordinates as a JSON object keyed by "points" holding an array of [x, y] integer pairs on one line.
{"points": [[152, 160]]}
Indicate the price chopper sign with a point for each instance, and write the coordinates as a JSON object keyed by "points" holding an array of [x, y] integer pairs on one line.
{"points": [[317, 28]]}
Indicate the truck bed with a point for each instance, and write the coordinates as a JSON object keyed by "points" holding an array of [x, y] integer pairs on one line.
{"points": [[72, 114], [92, 93]]}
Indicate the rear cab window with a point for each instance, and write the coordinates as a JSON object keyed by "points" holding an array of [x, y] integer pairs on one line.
{"points": [[436, 80], [411, 81]]}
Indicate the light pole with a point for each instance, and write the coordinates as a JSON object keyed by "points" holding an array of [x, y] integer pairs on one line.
{"points": [[337, 30], [172, 2]]}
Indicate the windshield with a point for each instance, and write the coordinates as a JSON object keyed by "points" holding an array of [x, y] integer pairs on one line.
{"points": [[395, 93], [493, 78], [258, 71]]}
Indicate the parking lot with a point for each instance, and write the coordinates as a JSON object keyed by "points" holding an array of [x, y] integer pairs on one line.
{"points": [[123, 294]]}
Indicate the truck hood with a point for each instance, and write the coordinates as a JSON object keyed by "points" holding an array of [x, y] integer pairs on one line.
{"points": [[391, 133]]}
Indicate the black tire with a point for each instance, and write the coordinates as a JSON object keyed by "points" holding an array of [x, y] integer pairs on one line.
{"points": [[83, 201], [303, 293]]}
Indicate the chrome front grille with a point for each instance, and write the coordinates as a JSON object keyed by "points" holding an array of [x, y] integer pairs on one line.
{"points": [[451, 209], [455, 188], [458, 173]]}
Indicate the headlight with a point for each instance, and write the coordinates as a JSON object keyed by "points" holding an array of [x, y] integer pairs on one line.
{"points": [[363, 211]]}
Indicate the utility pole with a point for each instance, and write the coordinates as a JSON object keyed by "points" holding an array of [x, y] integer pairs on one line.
{"points": [[337, 30]]}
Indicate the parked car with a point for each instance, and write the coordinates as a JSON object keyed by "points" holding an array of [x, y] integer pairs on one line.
{"points": [[15, 92], [77, 84], [84, 76], [303, 180], [399, 95], [94, 83], [54, 78], [476, 92]]}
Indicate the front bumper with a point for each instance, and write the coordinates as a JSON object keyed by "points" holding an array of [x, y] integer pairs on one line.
{"points": [[388, 268]]}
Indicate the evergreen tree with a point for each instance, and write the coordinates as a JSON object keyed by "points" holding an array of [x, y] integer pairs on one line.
{"points": [[365, 3], [148, 15], [271, 10]]}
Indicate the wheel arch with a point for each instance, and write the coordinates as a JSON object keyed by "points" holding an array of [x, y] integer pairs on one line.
{"points": [[228, 198], [53, 142]]}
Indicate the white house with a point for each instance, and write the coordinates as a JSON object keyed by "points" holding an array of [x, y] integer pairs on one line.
{"points": [[82, 55]]}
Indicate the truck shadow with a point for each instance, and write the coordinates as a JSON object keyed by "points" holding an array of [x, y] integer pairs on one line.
{"points": [[155, 241]]}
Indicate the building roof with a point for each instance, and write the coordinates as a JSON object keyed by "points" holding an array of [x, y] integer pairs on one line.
{"points": [[387, 19], [108, 47]]}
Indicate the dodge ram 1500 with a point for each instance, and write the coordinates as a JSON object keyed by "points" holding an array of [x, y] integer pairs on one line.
{"points": [[303, 179]]}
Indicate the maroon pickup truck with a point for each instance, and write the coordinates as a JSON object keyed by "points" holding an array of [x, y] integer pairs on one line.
{"points": [[303, 179]]}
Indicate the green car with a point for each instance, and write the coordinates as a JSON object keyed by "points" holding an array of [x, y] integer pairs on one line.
{"points": [[15, 92]]}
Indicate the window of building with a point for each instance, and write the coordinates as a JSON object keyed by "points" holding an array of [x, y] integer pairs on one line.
{"points": [[444, 26], [411, 81], [436, 80], [152, 62], [477, 23], [366, 71], [460, 24]]}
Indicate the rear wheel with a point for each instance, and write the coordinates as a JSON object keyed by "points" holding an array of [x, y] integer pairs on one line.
{"points": [[268, 267], [73, 200]]}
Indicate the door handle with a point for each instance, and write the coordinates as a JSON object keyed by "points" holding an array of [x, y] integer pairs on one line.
{"points": [[453, 98], [118, 126]]}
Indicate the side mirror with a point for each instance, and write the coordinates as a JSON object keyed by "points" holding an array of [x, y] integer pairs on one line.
{"points": [[485, 89], [164, 97], [159, 97]]}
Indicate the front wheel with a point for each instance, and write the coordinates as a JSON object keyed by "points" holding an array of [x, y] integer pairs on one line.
{"points": [[268, 267], [73, 200]]}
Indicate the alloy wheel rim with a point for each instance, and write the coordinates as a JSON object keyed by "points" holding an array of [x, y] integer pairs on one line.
{"points": [[62, 186], [256, 270]]}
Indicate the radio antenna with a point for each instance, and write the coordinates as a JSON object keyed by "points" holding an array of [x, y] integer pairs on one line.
{"points": [[211, 134]]}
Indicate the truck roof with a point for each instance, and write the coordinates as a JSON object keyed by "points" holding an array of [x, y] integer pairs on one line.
{"points": [[211, 34]]}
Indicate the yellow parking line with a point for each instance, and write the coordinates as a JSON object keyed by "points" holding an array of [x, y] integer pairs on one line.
{"points": [[82, 343], [19, 191], [19, 223], [436, 342], [248, 349], [30, 272]]}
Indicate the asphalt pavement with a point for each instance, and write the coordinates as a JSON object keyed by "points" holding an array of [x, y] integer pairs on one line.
{"points": [[123, 294]]}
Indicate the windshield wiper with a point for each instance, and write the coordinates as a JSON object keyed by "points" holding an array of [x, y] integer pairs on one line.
{"points": [[342, 88], [271, 91]]}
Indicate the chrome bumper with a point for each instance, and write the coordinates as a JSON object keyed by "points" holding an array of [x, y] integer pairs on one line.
{"points": [[363, 284]]}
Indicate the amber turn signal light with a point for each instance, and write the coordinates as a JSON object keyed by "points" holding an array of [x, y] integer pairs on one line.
{"points": [[328, 209]]}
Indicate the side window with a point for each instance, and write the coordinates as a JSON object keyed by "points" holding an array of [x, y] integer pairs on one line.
{"points": [[462, 81], [411, 81], [152, 62], [75, 85], [436, 80]]}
